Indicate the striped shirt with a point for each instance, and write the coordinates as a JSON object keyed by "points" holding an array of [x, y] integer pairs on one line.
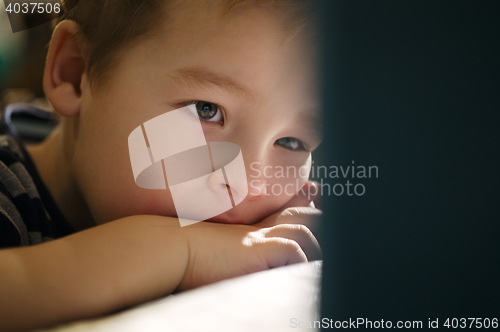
{"points": [[28, 214]]}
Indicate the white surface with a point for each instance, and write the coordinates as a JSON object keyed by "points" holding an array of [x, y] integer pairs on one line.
{"points": [[264, 301]]}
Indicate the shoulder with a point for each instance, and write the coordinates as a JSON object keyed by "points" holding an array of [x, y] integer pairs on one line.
{"points": [[23, 217], [9, 149], [13, 231]]}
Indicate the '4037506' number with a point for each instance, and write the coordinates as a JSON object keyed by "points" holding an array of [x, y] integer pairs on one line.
{"points": [[33, 8], [471, 323]]}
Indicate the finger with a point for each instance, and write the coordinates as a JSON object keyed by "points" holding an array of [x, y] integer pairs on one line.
{"points": [[280, 251], [300, 234], [307, 216]]}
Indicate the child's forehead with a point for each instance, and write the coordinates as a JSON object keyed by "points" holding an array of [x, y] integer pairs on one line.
{"points": [[253, 28], [180, 22], [286, 14], [209, 36], [246, 53]]}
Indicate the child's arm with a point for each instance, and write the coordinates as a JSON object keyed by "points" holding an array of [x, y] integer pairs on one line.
{"points": [[130, 261]]}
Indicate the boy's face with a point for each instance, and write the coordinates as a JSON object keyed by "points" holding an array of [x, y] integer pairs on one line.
{"points": [[245, 63]]}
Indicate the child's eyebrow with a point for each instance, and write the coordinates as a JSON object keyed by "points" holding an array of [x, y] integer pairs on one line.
{"points": [[203, 77]]}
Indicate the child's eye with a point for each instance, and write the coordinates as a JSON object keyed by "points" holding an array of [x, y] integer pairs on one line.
{"points": [[291, 143], [208, 111]]}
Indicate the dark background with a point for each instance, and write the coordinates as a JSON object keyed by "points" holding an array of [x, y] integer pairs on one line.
{"points": [[27, 72], [412, 87]]}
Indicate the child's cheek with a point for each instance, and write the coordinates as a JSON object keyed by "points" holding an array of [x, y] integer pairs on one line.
{"points": [[157, 202], [286, 180], [129, 201]]}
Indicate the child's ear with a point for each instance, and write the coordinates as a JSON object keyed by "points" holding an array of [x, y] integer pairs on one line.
{"points": [[64, 69]]}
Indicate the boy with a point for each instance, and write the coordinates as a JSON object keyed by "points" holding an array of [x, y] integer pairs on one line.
{"points": [[247, 68]]}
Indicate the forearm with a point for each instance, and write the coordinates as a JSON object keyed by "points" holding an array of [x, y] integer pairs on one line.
{"points": [[92, 272]]}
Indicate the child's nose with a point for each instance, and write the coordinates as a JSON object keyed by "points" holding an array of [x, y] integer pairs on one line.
{"points": [[217, 183], [222, 182]]}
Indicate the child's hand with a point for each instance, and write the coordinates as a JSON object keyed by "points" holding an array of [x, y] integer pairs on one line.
{"points": [[221, 251], [301, 209]]}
